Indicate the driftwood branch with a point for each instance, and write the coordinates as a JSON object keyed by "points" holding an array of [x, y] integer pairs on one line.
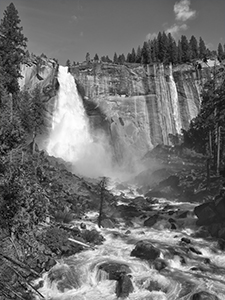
{"points": [[20, 264], [80, 243]]}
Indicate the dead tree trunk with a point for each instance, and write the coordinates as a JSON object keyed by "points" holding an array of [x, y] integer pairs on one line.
{"points": [[218, 152], [102, 186]]}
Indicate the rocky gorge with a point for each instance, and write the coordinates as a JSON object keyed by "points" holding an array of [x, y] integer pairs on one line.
{"points": [[150, 244]]}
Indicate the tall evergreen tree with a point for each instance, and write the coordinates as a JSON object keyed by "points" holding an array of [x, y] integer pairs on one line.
{"points": [[121, 59], [129, 59], [32, 113], [96, 58], [162, 47], [68, 63], [179, 53], [193, 43], [115, 58], [12, 47], [154, 50], [185, 57], [146, 54], [88, 57], [202, 48], [138, 56], [172, 50], [133, 56], [220, 51]]}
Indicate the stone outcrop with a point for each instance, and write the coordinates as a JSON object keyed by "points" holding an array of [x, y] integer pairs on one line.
{"points": [[42, 73]]}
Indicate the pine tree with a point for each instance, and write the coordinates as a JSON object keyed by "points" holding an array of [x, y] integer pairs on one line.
{"points": [[162, 41], [202, 49], [220, 51], [115, 58], [12, 133], [138, 56], [146, 54], [32, 113], [179, 53], [121, 59], [96, 58], [186, 55], [129, 59], [108, 60], [68, 63], [133, 56], [88, 57], [193, 43], [12, 48], [172, 50], [154, 50]]}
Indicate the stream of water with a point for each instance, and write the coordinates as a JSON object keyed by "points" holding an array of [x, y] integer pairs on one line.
{"points": [[179, 280]]}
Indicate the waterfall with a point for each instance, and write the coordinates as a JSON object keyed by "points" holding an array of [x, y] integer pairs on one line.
{"points": [[70, 137], [175, 102]]}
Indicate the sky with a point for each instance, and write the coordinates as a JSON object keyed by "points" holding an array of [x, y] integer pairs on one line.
{"points": [[68, 29]]}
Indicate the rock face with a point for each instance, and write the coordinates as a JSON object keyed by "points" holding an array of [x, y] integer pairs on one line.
{"points": [[41, 73], [142, 105]]}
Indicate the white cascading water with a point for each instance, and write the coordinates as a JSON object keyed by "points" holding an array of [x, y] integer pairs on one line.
{"points": [[70, 137], [175, 103], [83, 280]]}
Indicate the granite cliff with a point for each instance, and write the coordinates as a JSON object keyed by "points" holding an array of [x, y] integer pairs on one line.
{"points": [[140, 105], [136, 106]]}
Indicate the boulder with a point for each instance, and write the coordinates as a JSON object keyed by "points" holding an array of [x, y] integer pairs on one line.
{"points": [[202, 295], [221, 244], [107, 223], [124, 286], [196, 251], [128, 211], [66, 277], [151, 221], [159, 264], [206, 214], [172, 181], [145, 250], [114, 269], [220, 206]]}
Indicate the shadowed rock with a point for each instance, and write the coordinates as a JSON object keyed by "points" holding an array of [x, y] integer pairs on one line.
{"points": [[203, 296], [145, 250], [114, 269], [124, 286]]}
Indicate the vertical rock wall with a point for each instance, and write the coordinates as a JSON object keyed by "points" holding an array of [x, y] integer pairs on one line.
{"points": [[143, 105]]}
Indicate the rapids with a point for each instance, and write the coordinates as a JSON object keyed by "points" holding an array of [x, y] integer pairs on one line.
{"points": [[83, 280]]}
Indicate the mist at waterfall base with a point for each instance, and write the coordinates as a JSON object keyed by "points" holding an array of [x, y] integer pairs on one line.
{"points": [[90, 154]]}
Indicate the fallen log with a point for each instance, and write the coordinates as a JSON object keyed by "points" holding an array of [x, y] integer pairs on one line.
{"points": [[80, 243]]}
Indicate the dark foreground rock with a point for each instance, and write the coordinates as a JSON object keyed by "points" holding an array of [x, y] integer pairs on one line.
{"points": [[203, 296], [114, 270], [124, 286], [145, 250]]}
